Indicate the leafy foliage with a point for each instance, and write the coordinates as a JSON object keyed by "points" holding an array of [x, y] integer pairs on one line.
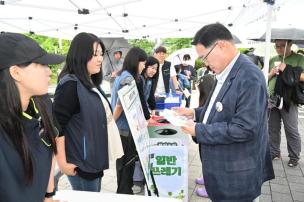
{"points": [[242, 50], [198, 64], [51, 45], [173, 44], [145, 44]]}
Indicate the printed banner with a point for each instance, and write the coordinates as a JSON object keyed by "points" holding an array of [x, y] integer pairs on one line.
{"points": [[169, 167], [130, 101]]}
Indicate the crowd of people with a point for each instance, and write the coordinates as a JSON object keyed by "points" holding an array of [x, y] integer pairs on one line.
{"points": [[238, 134]]}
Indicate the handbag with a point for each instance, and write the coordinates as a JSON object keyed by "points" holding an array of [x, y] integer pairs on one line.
{"points": [[298, 97], [115, 149]]}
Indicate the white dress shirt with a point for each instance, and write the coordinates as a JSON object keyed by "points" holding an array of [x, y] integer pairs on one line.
{"points": [[220, 81]]}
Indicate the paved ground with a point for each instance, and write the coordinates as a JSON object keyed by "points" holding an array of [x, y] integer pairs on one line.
{"points": [[287, 186]]}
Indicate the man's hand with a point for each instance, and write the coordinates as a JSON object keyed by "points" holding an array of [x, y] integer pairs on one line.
{"points": [[282, 67], [272, 73], [189, 128], [184, 111]]}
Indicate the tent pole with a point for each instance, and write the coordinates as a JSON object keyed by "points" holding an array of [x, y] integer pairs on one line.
{"points": [[158, 42], [285, 48], [60, 45], [268, 43]]}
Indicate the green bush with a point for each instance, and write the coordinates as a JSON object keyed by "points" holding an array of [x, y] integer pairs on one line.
{"points": [[198, 64], [145, 44]]}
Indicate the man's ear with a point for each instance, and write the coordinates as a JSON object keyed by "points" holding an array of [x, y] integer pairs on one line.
{"points": [[15, 72], [221, 43]]}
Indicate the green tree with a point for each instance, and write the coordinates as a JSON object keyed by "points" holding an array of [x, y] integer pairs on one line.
{"points": [[145, 44], [174, 44], [198, 64], [242, 50], [50, 44]]}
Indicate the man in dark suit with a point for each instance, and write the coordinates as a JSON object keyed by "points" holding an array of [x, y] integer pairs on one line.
{"points": [[231, 128]]}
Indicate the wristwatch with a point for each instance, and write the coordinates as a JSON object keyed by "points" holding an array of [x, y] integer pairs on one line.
{"points": [[50, 194]]}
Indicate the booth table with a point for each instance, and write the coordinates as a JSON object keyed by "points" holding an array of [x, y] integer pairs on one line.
{"points": [[83, 196]]}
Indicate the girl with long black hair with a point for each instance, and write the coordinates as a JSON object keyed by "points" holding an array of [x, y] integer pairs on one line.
{"points": [[84, 113], [133, 65], [149, 76], [27, 133]]}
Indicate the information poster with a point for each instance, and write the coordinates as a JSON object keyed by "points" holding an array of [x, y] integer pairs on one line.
{"points": [[130, 102], [169, 160], [167, 157]]}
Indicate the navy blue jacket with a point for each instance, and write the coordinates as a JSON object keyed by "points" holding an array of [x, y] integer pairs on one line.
{"points": [[234, 142], [166, 75], [13, 186], [86, 136]]}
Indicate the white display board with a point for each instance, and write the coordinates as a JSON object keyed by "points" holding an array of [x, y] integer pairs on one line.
{"points": [[168, 157], [169, 166], [130, 102]]}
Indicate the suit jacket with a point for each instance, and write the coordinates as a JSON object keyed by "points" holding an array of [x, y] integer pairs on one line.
{"points": [[234, 141]]}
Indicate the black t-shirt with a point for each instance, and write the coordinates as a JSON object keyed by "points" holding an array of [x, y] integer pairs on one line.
{"points": [[66, 104], [13, 186], [140, 85]]}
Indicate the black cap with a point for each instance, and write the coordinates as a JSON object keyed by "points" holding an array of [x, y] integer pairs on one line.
{"points": [[18, 49]]}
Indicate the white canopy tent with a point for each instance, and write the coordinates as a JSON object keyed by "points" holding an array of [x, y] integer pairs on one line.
{"points": [[134, 18], [148, 19]]}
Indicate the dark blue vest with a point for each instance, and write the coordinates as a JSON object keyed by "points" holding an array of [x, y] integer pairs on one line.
{"points": [[12, 182], [166, 75], [86, 138]]}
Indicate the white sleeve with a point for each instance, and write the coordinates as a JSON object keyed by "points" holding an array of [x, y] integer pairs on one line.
{"points": [[172, 71]]}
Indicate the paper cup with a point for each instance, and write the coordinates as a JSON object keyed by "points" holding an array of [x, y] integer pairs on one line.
{"points": [[277, 64]]}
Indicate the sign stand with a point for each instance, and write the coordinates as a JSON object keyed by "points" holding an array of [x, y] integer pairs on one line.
{"points": [[155, 191], [130, 101]]}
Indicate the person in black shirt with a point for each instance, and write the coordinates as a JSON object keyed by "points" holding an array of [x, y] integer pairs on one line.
{"points": [[83, 113], [149, 77], [27, 133], [188, 70]]}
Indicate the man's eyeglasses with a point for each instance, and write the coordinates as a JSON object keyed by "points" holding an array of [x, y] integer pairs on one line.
{"points": [[204, 59]]}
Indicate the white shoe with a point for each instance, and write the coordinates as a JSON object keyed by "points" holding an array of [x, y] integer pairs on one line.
{"points": [[136, 189]]}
